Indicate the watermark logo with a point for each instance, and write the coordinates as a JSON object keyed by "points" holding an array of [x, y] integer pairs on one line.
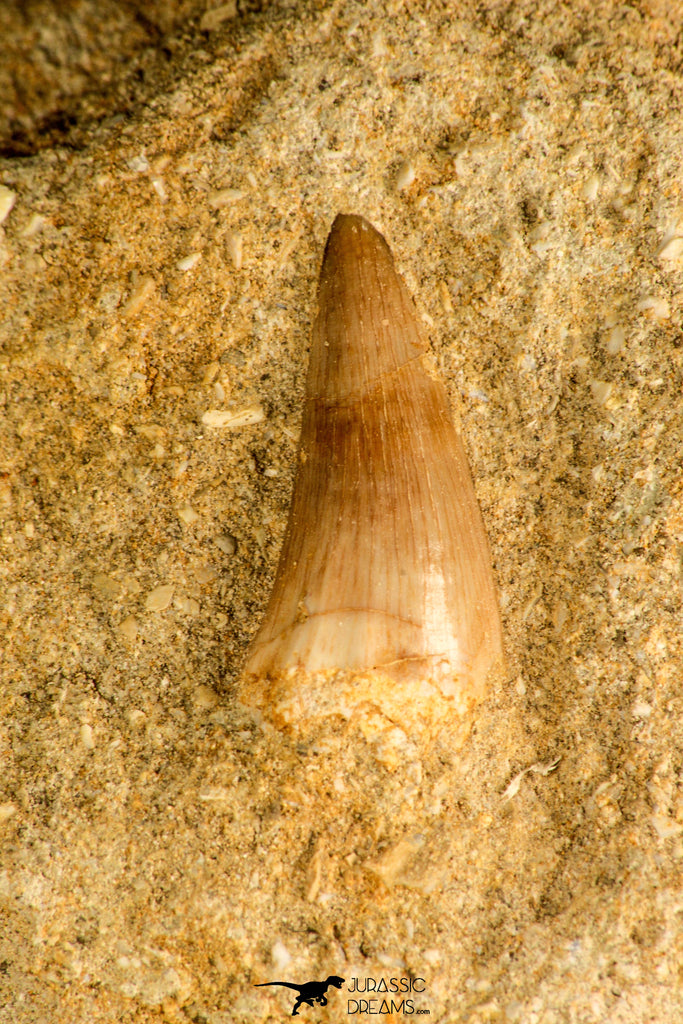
{"points": [[366, 996], [310, 993]]}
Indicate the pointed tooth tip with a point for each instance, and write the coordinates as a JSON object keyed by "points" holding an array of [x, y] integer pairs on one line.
{"points": [[353, 238], [350, 221], [348, 226]]}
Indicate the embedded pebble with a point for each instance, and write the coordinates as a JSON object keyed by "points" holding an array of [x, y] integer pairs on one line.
{"points": [[615, 340], [665, 827], [131, 584], [151, 431], [211, 372], [139, 296], [392, 865], [219, 391], [218, 200], [128, 628], [672, 249], [188, 515], [87, 737], [205, 574], [6, 811], [226, 543], [188, 262], [233, 241], [138, 164], [591, 188], [233, 418], [205, 697], [186, 605], [34, 226], [601, 389], [280, 955], [405, 175], [159, 599], [655, 307], [7, 200], [217, 15], [379, 46], [159, 187], [107, 585]]}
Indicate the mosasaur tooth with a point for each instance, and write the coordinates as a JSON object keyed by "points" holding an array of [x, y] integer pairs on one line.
{"points": [[384, 600]]}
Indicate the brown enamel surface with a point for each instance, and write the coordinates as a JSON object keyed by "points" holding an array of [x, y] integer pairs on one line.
{"points": [[385, 556]]}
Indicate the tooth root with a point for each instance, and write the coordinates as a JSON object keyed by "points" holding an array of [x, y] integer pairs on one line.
{"points": [[384, 594]]}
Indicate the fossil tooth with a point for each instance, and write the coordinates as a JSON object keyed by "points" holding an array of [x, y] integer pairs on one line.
{"points": [[384, 596]]}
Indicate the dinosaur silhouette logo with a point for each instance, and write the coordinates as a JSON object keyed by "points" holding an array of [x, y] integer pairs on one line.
{"points": [[310, 993]]}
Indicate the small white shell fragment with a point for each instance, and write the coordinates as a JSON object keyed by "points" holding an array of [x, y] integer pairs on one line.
{"points": [[541, 239], [6, 811], [210, 373], [405, 175], [233, 241], [233, 418], [87, 737], [219, 391], [223, 197], [665, 827], [151, 431], [159, 187], [188, 515], [7, 200], [281, 955], [591, 188], [217, 15], [215, 794], [379, 46], [159, 599], [655, 307], [128, 628], [36, 223], [641, 709], [190, 261], [615, 340], [139, 296], [601, 390], [536, 595], [205, 698], [538, 769], [138, 164], [671, 249], [226, 543], [136, 718]]}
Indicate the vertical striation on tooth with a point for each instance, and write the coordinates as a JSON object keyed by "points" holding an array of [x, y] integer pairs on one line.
{"points": [[384, 596]]}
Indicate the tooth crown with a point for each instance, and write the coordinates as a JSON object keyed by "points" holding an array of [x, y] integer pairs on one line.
{"points": [[385, 571]]}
